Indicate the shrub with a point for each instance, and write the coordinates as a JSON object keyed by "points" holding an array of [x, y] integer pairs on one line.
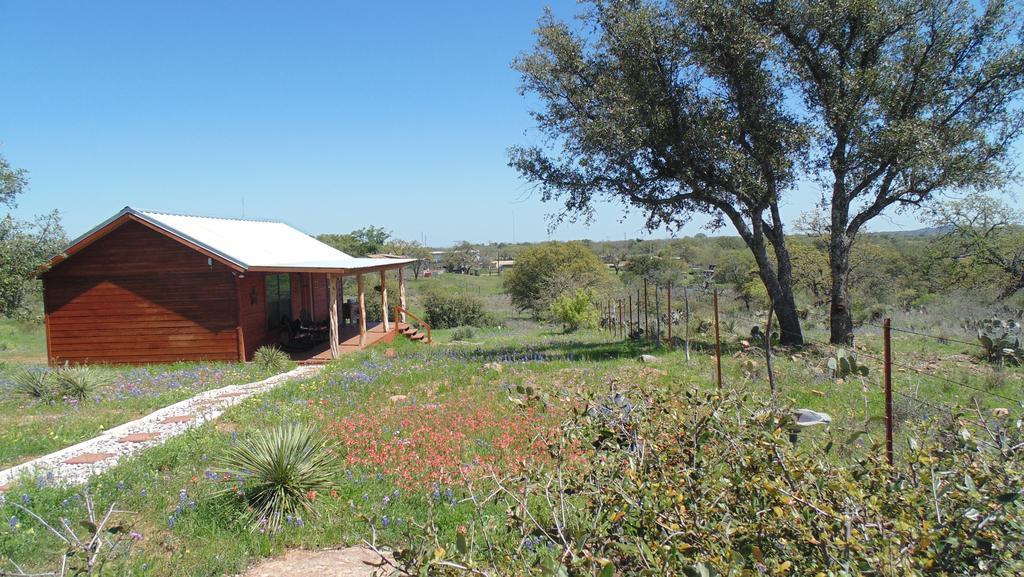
{"points": [[445, 311], [545, 271], [576, 311], [77, 381], [463, 334], [270, 359], [734, 496], [35, 384], [283, 471]]}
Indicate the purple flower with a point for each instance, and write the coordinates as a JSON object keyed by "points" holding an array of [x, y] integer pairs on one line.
{"points": [[13, 523], [298, 522], [384, 521], [170, 522]]}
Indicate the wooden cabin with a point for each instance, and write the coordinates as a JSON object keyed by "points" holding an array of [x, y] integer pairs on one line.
{"points": [[152, 287]]}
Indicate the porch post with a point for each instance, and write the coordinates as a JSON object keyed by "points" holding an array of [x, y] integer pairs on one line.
{"points": [[384, 300], [401, 292], [332, 297], [362, 310]]}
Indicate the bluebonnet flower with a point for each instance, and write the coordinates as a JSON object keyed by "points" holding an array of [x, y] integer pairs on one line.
{"points": [[25, 498], [13, 523], [384, 521], [451, 496], [299, 523], [386, 500], [170, 522], [437, 492], [120, 486], [64, 504]]}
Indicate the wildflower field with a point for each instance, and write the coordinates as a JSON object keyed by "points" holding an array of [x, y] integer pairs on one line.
{"points": [[34, 426], [427, 446]]}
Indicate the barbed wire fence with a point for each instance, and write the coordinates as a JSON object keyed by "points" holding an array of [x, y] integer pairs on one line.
{"points": [[631, 318]]}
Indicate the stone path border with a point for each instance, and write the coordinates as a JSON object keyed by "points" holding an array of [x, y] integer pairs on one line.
{"points": [[76, 464]]}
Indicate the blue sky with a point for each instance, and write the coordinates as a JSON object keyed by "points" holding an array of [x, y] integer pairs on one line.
{"points": [[327, 115]]}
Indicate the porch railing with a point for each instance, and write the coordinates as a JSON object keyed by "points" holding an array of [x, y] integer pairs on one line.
{"points": [[400, 309]]}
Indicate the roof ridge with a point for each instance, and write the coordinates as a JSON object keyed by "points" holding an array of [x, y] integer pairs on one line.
{"points": [[168, 213]]}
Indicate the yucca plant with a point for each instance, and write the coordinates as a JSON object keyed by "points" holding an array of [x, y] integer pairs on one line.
{"points": [[77, 381], [283, 471], [34, 384], [270, 359]]}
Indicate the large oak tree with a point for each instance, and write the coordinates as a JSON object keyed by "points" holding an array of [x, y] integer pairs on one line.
{"points": [[904, 99], [672, 108]]}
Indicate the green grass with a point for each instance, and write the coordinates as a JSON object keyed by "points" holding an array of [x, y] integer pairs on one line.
{"points": [[457, 411], [22, 342], [355, 394], [33, 428]]}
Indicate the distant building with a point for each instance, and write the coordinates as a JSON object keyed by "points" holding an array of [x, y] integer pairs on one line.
{"points": [[501, 265]]}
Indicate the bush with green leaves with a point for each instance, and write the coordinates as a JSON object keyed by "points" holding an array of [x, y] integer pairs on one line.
{"points": [[77, 382], [576, 310], [543, 272], [271, 359], [449, 310], [34, 383], [282, 472], [656, 482], [463, 333]]}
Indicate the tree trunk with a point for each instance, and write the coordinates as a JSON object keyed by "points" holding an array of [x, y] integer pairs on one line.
{"points": [[840, 312], [780, 291]]}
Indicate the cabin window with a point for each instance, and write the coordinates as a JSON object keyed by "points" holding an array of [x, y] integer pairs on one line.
{"points": [[279, 300]]}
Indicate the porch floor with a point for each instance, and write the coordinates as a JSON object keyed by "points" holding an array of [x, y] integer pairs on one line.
{"points": [[348, 339]]}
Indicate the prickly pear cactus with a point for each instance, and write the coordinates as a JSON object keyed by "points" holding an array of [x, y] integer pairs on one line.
{"points": [[844, 364]]}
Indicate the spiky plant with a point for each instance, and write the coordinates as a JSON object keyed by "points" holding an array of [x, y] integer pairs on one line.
{"points": [[283, 470], [77, 381], [34, 384], [270, 359]]}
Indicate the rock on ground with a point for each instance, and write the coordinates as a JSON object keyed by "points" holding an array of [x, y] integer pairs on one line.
{"points": [[349, 562]]}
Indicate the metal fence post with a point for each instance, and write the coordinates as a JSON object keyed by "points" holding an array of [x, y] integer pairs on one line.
{"points": [[668, 299], [718, 345], [887, 370]]}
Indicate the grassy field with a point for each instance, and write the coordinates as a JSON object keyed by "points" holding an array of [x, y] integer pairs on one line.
{"points": [[22, 343], [416, 436], [403, 459], [34, 427]]}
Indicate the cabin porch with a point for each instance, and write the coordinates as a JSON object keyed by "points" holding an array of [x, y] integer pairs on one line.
{"points": [[348, 342]]}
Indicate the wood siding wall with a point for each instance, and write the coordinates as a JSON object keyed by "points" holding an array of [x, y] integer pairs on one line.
{"points": [[137, 296]]}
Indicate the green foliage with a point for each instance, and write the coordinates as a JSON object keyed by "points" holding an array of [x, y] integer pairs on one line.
{"points": [[1000, 340], [448, 310], [283, 471], [983, 242], [25, 246], [461, 258], [464, 333], [411, 249], [630, 489], [844, 364], [77, 381], [34, 383], [359, 242], [545, 271], [576, 310], [271, 359], [13, 182]]}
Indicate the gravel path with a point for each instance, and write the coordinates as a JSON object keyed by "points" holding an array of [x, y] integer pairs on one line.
{"points": [[75, 464]]}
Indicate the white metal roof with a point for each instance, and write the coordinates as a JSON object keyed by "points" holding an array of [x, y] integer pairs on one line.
{"points": [[253, 244]]}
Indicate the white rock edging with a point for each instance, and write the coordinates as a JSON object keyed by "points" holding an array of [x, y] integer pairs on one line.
{"points": [[204, 407]]}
